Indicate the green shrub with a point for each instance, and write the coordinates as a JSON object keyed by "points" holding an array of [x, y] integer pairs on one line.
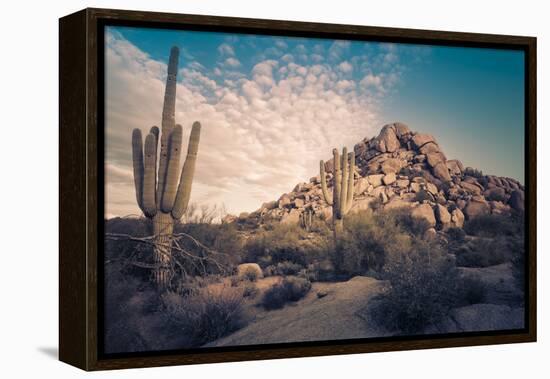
{"points": [[290, 289]]}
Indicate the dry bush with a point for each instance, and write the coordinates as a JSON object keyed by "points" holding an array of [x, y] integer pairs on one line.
{"points": [[289, 290], [207, 314]]}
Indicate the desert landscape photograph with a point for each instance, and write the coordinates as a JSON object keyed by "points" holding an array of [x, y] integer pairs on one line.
{"points": [[265, 190]]}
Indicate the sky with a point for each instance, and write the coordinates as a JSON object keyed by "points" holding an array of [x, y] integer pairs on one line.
{"points": [[271, 107]]}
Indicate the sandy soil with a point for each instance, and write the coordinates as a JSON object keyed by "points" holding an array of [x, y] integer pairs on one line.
{"points": [[337, 315]]}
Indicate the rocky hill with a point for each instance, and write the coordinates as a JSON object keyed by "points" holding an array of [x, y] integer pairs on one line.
{"points": [[402, 168]]}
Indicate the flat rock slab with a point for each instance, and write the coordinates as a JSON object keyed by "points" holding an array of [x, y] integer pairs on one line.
{"points": [[481, 317], [336, 315]]}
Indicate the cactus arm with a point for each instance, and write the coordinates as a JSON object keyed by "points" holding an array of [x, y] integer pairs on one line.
{"points": [[149, 203], [326, 195], [137, 159], [171, 180], [351, 188], [187, 173], [155, 131], [168, 120], [337, 185], [344, 193]]}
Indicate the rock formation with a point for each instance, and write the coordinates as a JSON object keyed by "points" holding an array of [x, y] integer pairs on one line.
{"points": [[402, 168]]}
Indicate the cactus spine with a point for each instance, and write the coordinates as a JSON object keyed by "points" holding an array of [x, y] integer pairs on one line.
{"points": [[157, 191], [343, 189]]}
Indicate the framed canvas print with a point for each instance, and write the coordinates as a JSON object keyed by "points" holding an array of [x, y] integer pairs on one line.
{"points": [[237, 189]]}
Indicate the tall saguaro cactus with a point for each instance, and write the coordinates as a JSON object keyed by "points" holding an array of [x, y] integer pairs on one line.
{"points": [[341, 199], [158, 193]]}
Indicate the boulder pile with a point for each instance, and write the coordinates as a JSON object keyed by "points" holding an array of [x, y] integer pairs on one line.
{"points": [[402, 168]]}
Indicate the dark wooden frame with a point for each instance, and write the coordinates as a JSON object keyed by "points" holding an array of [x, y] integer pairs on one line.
{"points": [[80, 196]]}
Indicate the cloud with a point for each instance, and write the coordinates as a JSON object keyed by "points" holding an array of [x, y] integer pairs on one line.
{"points": [[226, 50], [345, 67], [263, 130], [232, 62]]}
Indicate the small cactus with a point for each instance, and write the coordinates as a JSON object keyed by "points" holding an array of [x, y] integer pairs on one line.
{"points": [[306, 219], [158, 193], [341, 199]]}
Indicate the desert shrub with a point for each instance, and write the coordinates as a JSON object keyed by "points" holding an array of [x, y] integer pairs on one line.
{"points": [[250, 274], [250, 290], [290, 289], [279, 244], [283, 268], [235, 281], [376, 204], [484, 252], [367, 240], [469, 171], [206, 315], [288, 268], [456, 235], [424, 287], [495, 225]]}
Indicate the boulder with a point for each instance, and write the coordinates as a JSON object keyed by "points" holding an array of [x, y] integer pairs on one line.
{"points": [[270, 205], [455, 166], [398, 202], [442, 214], [430, 234], [402, 183], [424, 212], [428, 148], [475, 209], [435, 158], [244, 268], [421, 139], [457, 218], [440, 171], [391, 165], [415, 187], [471, 188], [361, 185], [517, 200], [375, 180], [298, 203], [229, 218], [485, 317], [362, 204], [495, 194], [431, 188], [387, 140], [284, 201], [401, 129], [292, 217], [389, 178]]}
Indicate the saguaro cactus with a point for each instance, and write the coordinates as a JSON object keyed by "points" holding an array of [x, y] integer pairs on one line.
{"points": [[342, 198], [306, 219], [157, 191]]}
